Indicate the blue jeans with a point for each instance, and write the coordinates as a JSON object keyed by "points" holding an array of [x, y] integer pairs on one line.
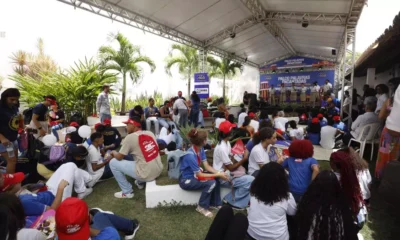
{"points": [[211, 191], [201, 119], [241, 187], [194, 117], [104, 116], [54, 130], [166, 123], [103, 220], [178, 139], [122, 168]]}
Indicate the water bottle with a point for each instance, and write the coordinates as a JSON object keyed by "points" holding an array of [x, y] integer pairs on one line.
{"points": [[10, 150]]}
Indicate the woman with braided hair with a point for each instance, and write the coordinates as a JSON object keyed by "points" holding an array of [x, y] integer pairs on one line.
{"points": [[342, 165], [324, 212]]}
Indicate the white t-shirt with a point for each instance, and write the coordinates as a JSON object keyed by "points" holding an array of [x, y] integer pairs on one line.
{"points": [[327, 87], [165, 136], [269, 222], [297, 133], [258, 155], [381, 100], [31, 234], [94, 156], [218, 121], [328, 134], [304, 89], [392, 121], [364, 179], [241, 118], [280, 123], [221, 155], [315, 88], [255, 124]]}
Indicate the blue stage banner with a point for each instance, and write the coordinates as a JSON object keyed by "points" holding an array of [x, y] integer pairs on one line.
{"points": [[296, 62], [308, 78], [201, 78], [203, 90]]}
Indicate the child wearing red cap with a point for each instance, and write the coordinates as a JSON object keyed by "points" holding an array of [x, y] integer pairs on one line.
{"points": [[223, 159], [314, 131]]}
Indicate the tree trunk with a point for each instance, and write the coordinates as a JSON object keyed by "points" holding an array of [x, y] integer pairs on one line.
{"points": [[189, 83], [123, 94], [223, 88]]}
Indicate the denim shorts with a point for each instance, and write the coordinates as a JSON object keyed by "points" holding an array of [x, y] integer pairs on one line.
{"points": [[4, 148]]}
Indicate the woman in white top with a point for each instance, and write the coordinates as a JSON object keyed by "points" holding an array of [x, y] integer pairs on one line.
{"points": [[324, 212], [303, 93], [383, 91], [259, 154], [12, 213], [270, 202]]}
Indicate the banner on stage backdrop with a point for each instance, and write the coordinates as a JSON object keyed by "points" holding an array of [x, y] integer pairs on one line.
{"points": [[202, 85], [308, 78], [296, 62]]}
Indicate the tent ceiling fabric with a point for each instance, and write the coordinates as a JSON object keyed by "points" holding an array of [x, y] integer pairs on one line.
{"points": [[265, 30]]}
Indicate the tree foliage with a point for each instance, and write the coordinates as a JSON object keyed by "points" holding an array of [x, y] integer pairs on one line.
{"points": [[186, 59], [224, 68], [76, 89], [125, 60], [34, 65]]}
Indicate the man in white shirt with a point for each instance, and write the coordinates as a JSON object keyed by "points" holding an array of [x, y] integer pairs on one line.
{"points": [[254, 123], [315, 93], [94, 161], [181, 107], [280, 121], [327, 86], [328, 135], [367, 118], [241, 118], [103, 104]]}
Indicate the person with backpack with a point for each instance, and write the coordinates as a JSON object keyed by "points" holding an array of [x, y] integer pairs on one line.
{"points": [[39, 122], [240, 183], [193, 178], [142, 145], [10, 121], [56, 119], [95, 163], [48, 164]]}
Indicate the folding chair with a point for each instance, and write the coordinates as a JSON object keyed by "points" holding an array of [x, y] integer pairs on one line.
{"points": [[367, 136]]}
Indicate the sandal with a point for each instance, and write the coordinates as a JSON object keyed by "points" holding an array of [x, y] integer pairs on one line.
{"points": [[204, 211]]}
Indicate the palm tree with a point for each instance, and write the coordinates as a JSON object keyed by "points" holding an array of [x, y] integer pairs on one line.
{"points": [[125, 61], [223, 69], [187, 59]]}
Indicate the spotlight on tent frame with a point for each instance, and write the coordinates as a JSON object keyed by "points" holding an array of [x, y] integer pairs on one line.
{"points": [[232, 34], [301, 69], [287, 71], [304, 23]]}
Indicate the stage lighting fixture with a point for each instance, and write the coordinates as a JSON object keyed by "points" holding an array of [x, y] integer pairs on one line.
{"points": [[232, 34], [287, 71], [301, 69], [304, 23]]}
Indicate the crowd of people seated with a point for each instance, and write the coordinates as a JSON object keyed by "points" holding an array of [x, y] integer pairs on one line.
{"points": [[282, 191]]}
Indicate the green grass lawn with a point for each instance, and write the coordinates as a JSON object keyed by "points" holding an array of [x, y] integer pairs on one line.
{"points": [[183, 222]]}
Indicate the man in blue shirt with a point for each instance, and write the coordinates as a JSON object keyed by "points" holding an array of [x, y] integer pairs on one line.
{"points": [[151, 113]]}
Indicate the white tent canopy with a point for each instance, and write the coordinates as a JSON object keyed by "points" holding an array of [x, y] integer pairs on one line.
{"points": [[254, 32]]}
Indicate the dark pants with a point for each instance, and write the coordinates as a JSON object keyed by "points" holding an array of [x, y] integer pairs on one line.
{"points": [[107, 172], [210, 191], [226, 225], [103, 220], [346, 139], [194, 117]]}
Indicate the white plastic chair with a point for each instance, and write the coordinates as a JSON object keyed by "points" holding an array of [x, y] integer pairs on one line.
{"points": [[367, 136]]}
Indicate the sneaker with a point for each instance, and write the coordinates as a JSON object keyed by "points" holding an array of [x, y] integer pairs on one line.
{"points": [[123, 195], [140, 186], [204, 211], [131, 234], [86, 193], [94, 211]]}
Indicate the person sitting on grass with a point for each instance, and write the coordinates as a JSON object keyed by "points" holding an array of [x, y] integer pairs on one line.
{"points": [[295, 133], [322, 120], [328, 135], [254, 121], [303, 168], [142, 145], [280, 120], [270, 203], [95, 163], [223, 160], [314, 131], [325, 200], [259, 154], [193, 178], [339, 124], [246, 125], [112, 137]]}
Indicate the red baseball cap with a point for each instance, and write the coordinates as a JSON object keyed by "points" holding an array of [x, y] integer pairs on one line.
{"points": [[10, 179], [252, 115], [336, 118], [97, 125], [315, 120], [72, 219], [134, 123], [320, 115], [74, 124], [226, 127], [107, 121]]}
